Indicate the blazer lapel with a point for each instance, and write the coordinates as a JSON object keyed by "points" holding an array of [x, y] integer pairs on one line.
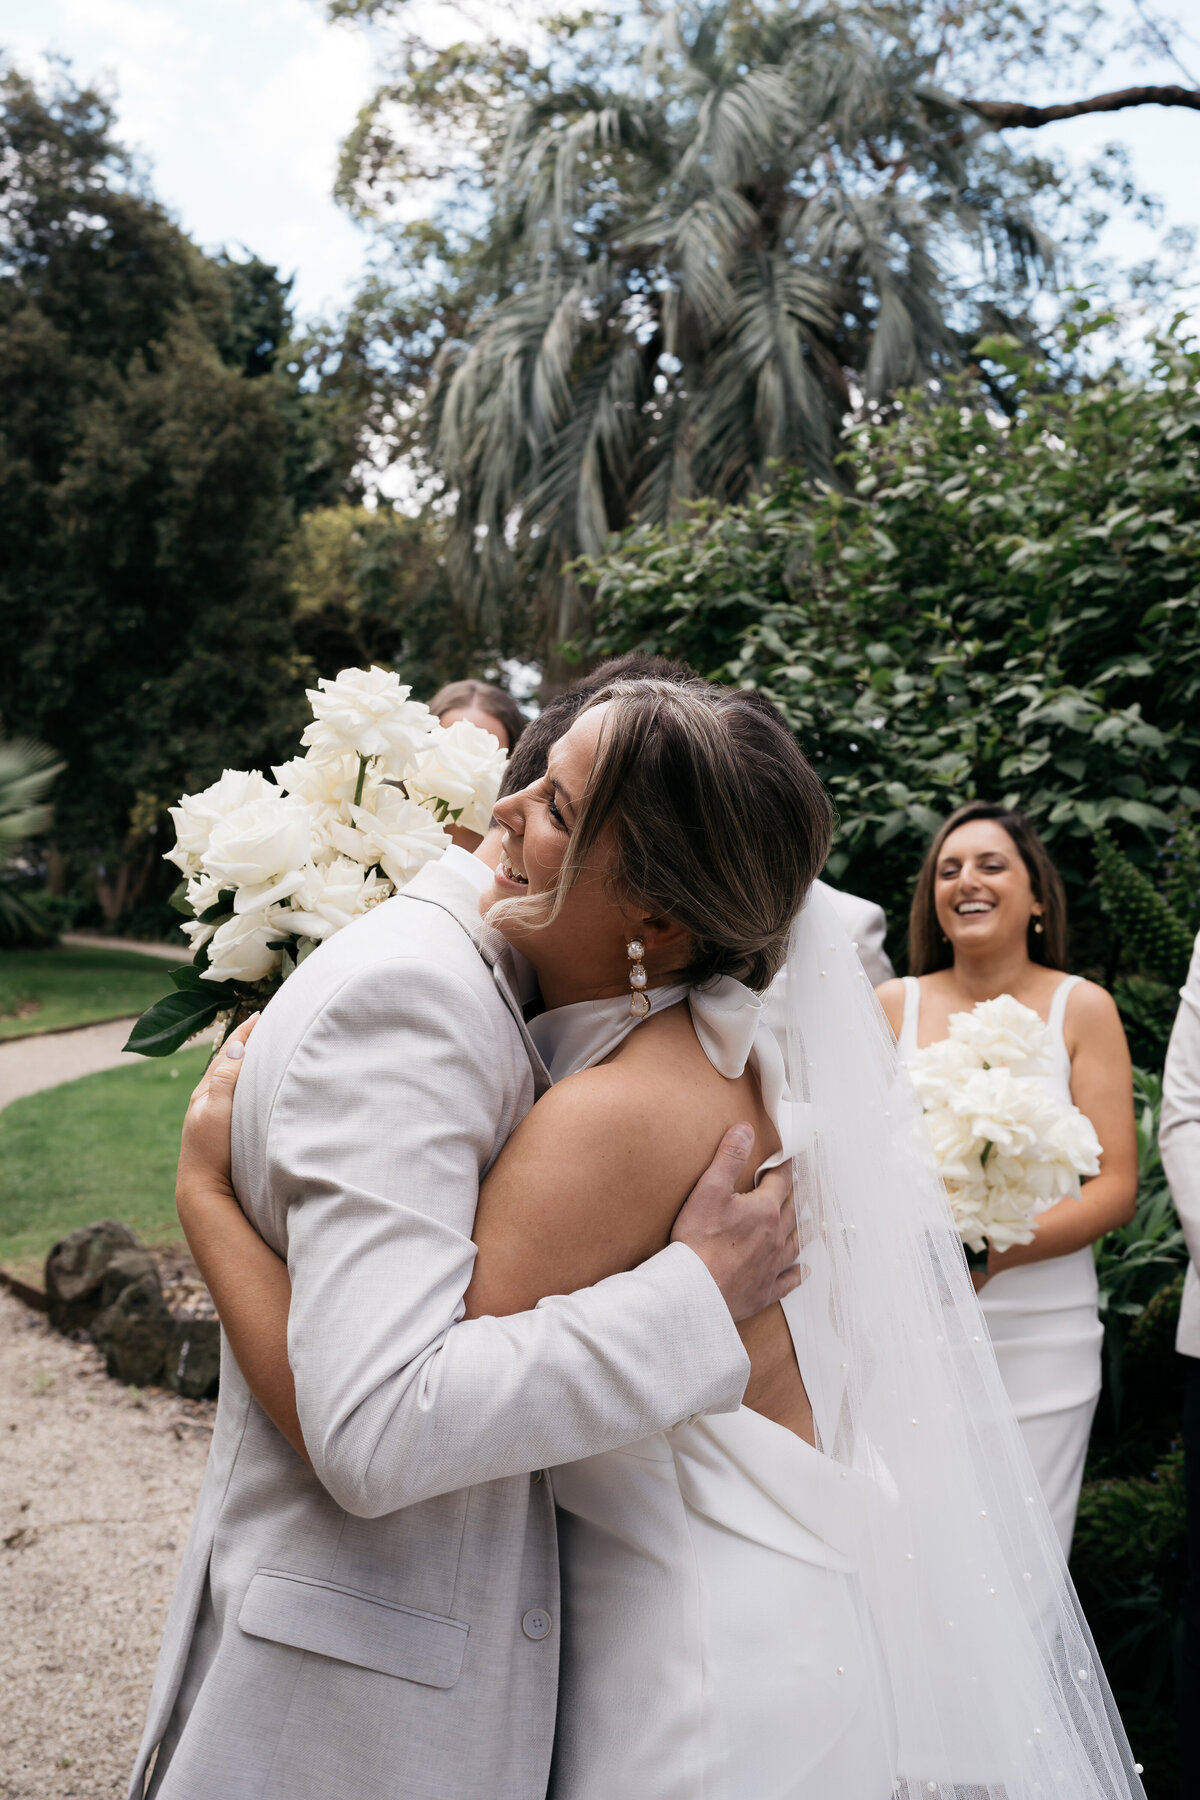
{"points": [[439, 885], [497, 952]]}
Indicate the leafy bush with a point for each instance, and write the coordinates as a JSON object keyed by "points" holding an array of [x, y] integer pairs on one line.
{"points": [[1128, 1563], [1139, 1269], [995, 606], [1151, 933]]}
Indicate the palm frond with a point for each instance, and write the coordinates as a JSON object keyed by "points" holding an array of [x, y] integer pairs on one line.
{"points": [[27, 772]]}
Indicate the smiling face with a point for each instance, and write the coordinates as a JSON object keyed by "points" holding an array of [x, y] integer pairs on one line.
{"points": [[982, 891], [581, 952]]}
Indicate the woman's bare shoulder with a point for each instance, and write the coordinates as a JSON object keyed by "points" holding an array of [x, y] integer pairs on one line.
{"points": [[890, 995], [657, 1101], [1091, 1008]]}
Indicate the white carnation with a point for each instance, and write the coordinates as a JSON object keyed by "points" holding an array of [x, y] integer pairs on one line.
{"points": [[463, 765], [260, 851], [197, 814], [239, 950], [330, 896], [1002, 1032], [366, 712], [1004, 1146], [396, 832]]}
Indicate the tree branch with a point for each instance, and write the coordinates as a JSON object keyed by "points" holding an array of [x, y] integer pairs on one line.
{"points": [[1005, 113]]}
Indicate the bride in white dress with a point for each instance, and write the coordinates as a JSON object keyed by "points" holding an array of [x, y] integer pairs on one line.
{"points": [[989, 918], [849, 1588]]}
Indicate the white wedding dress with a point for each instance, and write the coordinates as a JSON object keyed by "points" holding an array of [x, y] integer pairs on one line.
{"points": [[1043, 1318], [716, 1640]]}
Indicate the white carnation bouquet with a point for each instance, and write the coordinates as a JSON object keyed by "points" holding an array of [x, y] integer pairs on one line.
{"points": [[270, 868], [1003, 1145]]}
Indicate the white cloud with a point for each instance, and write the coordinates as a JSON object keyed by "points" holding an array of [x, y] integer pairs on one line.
{"points": [[239, 110]]}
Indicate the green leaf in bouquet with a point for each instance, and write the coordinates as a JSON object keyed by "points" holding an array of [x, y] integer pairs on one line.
{"points": [[220, 910], [179, 900], [167, 1025], [194, 980]]}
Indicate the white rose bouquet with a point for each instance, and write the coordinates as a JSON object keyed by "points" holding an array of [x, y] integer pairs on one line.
{"points": [[271, 868], [1003, 1145]]}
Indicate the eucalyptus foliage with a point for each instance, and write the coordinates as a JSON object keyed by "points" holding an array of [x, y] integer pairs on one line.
{"points": [[996, 606]]}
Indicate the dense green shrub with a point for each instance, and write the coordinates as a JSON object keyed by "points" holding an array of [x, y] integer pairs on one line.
{"points": [[992, 606], [1128, 1566]]}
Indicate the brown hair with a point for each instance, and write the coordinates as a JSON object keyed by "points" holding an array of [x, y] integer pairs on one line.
{"points": [[927, 948], [480, 696], [716, 822], [528, 764]]}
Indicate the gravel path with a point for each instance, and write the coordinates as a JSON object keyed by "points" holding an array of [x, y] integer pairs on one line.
{"points": [[92, 940], [97, 1487], [27, 1065]]}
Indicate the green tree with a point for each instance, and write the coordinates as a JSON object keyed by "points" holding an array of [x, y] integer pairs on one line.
{"points": [[673, 246], [370, 586], [989, 606], [157, 438]]}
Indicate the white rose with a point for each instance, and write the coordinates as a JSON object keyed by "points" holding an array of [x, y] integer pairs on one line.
{"points": [[366, 712], [1003, 1033], [397, 833], [239, 950], [196, 933], [325, 784], [463, 765], [203, 891], [260, 851], [331, 896], [196, 814]]}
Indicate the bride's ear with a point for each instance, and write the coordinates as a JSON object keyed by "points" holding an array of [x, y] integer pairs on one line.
{"points": [[660, 934]]}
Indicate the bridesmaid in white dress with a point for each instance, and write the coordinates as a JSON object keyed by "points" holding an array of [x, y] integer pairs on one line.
{"points": [[989, 918]]}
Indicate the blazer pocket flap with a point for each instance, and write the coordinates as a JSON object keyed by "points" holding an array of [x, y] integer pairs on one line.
{"points": [[353, 1627]]}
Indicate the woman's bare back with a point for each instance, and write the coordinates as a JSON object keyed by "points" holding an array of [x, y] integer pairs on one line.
{"points": [[635, 1133]]}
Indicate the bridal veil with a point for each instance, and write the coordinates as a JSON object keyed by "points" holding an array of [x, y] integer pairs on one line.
{"points": [[994, 1685]]}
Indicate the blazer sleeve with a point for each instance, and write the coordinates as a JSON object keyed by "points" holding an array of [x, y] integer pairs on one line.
{"points": [[380, 1130], [1179, 1131]]}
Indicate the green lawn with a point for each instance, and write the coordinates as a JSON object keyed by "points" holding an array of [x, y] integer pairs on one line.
{"points": [[104, 1147], [45, 990]]}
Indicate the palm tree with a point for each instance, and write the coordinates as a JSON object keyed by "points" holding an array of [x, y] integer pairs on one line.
{"points": [[27, 770], [702, 264]]}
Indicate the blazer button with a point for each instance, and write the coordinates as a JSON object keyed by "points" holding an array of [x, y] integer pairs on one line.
{"points": [[536, 1624]]}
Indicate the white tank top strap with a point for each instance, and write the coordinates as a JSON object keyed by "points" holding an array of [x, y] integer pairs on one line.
{"points": [[910, 1020], [1058, 1006]]}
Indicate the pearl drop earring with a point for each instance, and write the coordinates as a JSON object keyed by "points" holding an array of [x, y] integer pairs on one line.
{"points": [[639, 999]]}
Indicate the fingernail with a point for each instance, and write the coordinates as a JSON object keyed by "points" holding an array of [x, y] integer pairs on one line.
{"points": [[741, 1137], [236, 1050]]}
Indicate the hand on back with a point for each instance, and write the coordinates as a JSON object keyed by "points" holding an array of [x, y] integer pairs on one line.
{"points": [[747, 1242]]}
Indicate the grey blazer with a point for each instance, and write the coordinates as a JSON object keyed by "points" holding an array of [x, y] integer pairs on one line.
{"points": [[387, 1627]]}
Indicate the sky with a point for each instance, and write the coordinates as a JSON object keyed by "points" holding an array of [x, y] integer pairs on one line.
{"points": [[238, 107]]}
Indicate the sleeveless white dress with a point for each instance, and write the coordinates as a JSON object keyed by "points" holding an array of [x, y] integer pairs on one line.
{"points": [[1043, 1320], [716, 1642]]}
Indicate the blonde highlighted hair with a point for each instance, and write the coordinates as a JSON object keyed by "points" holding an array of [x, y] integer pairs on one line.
{"points": [[712, 818]]}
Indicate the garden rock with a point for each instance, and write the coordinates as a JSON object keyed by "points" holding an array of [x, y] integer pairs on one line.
{"points": [[136, 1332], [76, 1268], [194, 1361]]}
